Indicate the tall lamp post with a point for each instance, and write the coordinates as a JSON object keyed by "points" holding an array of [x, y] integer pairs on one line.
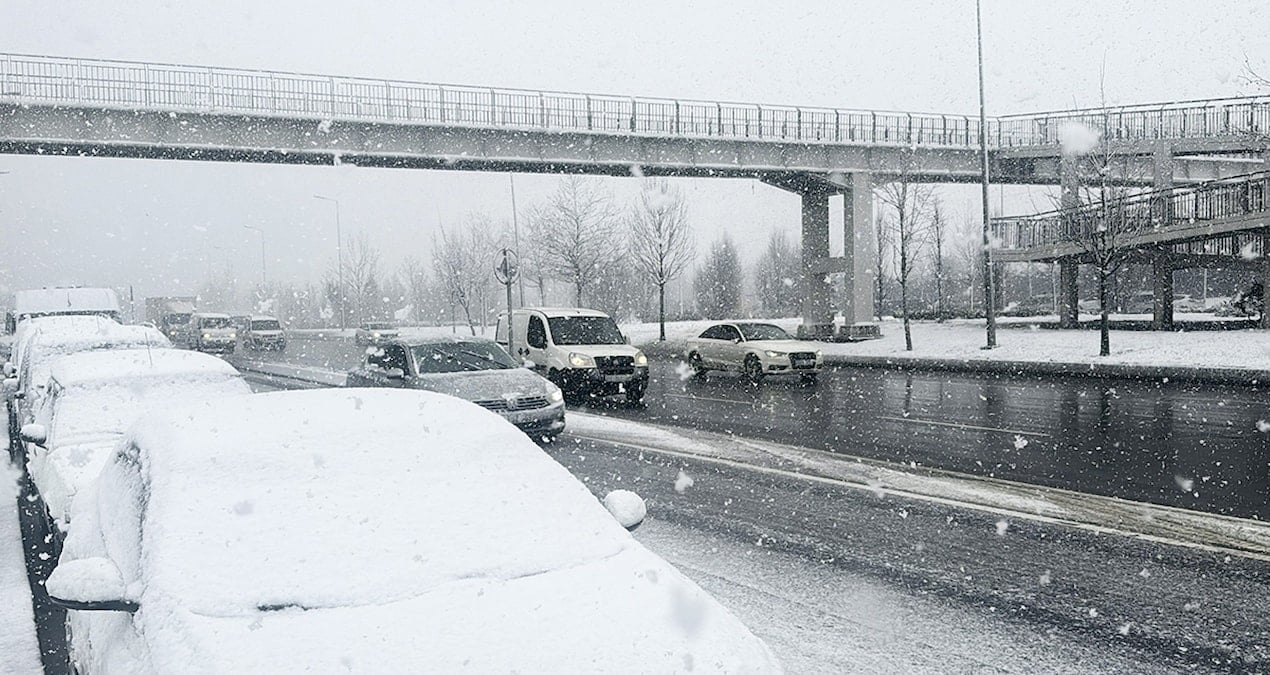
{"points": [[262, 252], [339, 254], [989, 305]]}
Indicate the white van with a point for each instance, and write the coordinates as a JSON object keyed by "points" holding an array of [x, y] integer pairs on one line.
{"points": [[580, 350]]}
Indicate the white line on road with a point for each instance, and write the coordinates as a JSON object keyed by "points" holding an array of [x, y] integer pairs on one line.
{"points": [[707, 398], [958, 425]]}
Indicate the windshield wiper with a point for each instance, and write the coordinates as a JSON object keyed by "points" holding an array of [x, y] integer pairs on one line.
{"points": [[485, 359]]}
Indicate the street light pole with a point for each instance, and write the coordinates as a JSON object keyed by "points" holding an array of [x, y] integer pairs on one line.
{"points": [[520, 280], [263, 279], [989, 305], [339, 255]]}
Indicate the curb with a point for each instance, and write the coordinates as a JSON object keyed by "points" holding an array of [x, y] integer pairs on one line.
{"points": [[1119, 371]]}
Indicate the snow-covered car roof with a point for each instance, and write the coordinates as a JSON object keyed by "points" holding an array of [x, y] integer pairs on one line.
{"points": [[553, 312], [211, 315], [90, 368], [64, 301], [52, 338], [305, 529]]}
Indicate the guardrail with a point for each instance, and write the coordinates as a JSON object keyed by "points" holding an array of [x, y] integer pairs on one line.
{"points": [[159, 86], [1121, 219], [1210, 118]]}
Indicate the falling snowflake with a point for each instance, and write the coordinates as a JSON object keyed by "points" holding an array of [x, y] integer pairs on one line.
{"points": [[1183, 483], [1002, 526], [1046, 578], [683, 482], [1263, 426], [1019, 442]]}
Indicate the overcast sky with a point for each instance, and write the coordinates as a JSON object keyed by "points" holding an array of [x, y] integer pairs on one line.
{"points": [[161, 225]]}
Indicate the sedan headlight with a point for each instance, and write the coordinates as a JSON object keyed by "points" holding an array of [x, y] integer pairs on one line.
{"points": [[556, 396], [233, 336], [819, 354], [581, 360], [774, 355], [641, 359], [207, 336], [374, 335]]}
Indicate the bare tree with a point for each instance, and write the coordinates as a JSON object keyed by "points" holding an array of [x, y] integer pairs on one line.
{"points": [[882, 240], [576, 231], [360, 292], [718, 281], [661, 241], [938, 230], [912, 204], [776, 277], [418, 288], [462, 261]]}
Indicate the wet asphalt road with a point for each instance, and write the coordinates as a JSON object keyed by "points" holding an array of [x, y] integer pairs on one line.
{"points": [[1194, 446]]}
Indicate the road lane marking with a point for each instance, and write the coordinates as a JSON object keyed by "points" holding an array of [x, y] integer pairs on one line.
{"points": [[958, 425], [707, 398], [1002, 509]]}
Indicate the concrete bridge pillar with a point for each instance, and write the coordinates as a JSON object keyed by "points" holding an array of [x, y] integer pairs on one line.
{"points": [[857, 251], [1162, 290], [1068, 294], [817, 291], [1265, 268]]}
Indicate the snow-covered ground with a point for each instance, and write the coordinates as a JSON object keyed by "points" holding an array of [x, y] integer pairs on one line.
{"points": [[19, 649]]}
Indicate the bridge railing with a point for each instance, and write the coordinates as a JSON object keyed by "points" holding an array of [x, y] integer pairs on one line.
{"points": [[1210, 118], [1124, 219], [225, 90]]}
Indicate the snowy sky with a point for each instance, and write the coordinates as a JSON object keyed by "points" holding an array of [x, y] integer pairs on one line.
{"points": [[161, 225]]}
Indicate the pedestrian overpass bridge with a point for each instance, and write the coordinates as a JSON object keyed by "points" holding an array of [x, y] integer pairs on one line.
{"points": [[99, 108]]}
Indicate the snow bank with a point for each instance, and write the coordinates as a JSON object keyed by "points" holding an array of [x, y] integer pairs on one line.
{"points": [[19, 649]]}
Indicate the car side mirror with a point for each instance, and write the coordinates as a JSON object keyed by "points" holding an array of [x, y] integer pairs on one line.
{"points": [[528, 363], [10, 385], [626, 338], [9, 369], [627, 508], [395, 373], [34, 433], [92, 584]]}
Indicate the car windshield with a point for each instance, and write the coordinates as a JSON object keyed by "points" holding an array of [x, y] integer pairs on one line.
{"points": [[377, 326], [215, 322], [265, 324], [584, 330], [762, 331], [455, 357]]}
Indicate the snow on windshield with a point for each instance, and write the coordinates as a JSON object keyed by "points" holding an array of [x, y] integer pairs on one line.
{"points": [[453, 357], [584, 330], [762, 331]]}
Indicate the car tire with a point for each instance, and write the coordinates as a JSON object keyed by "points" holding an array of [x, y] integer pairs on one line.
{"points": [[634, 395], [753, 369], [697, 365], [809, 378]]}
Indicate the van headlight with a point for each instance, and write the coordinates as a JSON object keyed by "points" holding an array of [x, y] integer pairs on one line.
{"points": [[207, 336], [556, 396], [640, 359], [820, 354], [773, 354], [581, 360]]}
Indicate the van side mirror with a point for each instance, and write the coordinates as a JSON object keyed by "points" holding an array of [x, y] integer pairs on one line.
{"points": [[93, 584], [395, 373], [9, 369]]}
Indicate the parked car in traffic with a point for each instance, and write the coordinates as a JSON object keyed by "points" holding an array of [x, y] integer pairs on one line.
{"points": [[210, 332], [263, 332], [474, 369], [580, 350], [93, 397], [755, 349], [375, 332], [236, 536]]}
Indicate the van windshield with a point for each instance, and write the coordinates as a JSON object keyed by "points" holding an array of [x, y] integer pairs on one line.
{"points": [[585, 330], [265, 324], [215, 322]]}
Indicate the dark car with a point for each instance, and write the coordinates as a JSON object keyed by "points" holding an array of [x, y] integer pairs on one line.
{"points": [[375, 332], [474, 369]]}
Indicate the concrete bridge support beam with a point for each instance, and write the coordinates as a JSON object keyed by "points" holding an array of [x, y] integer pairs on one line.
{"points": [[1068, 294], [817, 291], [1162, 289], [1265, 268], [857, 252]]}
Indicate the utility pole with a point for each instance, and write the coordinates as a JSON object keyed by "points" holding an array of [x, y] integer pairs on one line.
{"points": [[520, 280], [989, 306]]}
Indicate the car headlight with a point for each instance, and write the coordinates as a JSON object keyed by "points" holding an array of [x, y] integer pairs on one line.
{"points": [[819, 354], [233, 335], [374, 335], [581, 360], [556, 395], [641, 359], [774, 355], [206, 335]]}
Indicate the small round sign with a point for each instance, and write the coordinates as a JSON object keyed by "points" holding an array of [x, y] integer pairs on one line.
{"points": [[507, 268]]}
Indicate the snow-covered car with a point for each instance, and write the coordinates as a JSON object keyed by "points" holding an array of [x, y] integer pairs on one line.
{"points": [[756, 349], [473, 369], [42, 341], [91, 400], [375, 332], [263, 332], [368, 531]]}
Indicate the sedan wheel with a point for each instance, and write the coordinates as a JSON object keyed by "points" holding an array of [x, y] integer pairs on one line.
{"points": [[697, 365], [753, 369]]}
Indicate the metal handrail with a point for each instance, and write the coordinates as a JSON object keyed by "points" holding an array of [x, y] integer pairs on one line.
{"points": [[1153, 211], [230, 90], [174, 87]]}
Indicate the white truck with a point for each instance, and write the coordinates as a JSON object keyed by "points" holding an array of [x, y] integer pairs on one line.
{"points": [[580, 350]]}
